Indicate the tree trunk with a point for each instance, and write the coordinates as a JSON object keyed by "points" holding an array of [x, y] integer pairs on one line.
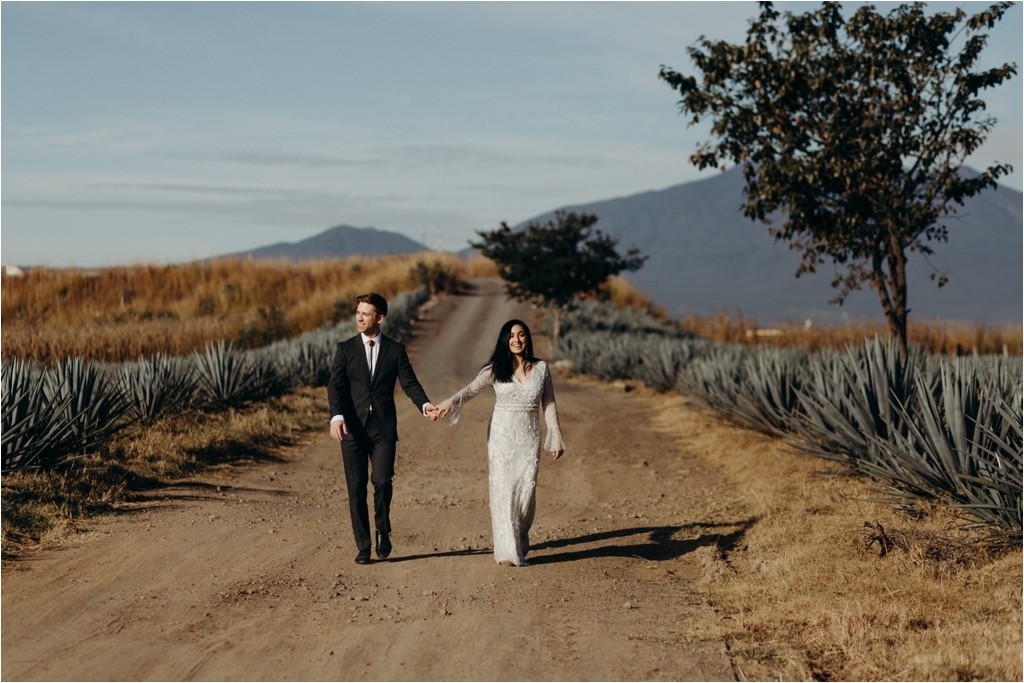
{"points": [[557, 310], [892, 290]]}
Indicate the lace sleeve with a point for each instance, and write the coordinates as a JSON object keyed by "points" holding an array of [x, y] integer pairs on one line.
{"points": [[553, 441], [483, 380]]}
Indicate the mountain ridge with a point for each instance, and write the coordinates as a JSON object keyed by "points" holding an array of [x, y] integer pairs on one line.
{"points": [[341, 241]]}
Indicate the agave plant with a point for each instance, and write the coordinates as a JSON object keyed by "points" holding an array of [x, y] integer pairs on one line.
{"points": [[157, 385], [228, 377], [602, 316], [659, 363], [32, 422], [850, 399], [965, 447], [402, 310], [768, 399], [655, 360], [715, 378], [95, 406]]}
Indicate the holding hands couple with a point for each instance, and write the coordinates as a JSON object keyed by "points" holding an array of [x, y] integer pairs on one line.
{"points": [[361, 395]]}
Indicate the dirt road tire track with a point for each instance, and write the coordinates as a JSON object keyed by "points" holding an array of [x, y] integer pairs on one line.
{"points": [[256, 580]]}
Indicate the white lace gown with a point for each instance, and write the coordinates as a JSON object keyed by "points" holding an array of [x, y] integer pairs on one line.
{"points": [[513, 453]]}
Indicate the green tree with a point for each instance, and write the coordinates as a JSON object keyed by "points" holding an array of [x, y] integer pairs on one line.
{"points": [[556, 261], [853, 130]]}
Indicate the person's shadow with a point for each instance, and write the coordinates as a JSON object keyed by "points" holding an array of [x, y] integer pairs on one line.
{"points": [[658, 544]]}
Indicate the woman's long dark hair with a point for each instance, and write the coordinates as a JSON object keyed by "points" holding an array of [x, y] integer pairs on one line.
{"points": [[501, 360]]}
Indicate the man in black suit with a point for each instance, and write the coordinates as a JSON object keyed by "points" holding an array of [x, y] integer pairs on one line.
{"points": [[361, 392]]}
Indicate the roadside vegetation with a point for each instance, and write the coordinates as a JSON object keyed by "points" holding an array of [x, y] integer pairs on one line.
{"points": [[931, 429], [810, 590]]}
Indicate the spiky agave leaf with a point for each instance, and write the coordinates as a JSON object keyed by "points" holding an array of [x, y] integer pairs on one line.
{"points": [[221, 375], [965, 448], [306, 360], [402, 310], [32, 423], [768, 396], [652, 359], [602, 316], [97, 408], [848, 398], [659, 363], [715, 378], [228, 377], [157, 385], [268, 380]]}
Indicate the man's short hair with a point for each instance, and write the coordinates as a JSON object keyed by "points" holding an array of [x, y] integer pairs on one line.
{"points": [[375, 300]]}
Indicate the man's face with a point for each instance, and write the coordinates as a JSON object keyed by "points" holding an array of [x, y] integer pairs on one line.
{"points": [[367, 320]]}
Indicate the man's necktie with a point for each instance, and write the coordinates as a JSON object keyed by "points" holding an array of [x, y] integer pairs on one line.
{"points": [[369, 357]]}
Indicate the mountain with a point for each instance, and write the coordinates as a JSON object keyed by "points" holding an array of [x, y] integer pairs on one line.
{"points": [[706, 257], [339, 242]]}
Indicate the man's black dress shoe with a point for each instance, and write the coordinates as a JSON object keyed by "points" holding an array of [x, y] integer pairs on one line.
{"points": [[363, 557], [383, 545]]}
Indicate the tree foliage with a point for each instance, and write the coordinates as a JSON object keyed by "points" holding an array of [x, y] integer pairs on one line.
{"points": [[856, 130], [556, 261]]}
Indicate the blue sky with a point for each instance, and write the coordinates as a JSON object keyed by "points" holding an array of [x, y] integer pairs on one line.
{"points": [[163, 132]]}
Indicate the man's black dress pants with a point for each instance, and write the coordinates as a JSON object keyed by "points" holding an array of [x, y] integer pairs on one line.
{"points": [[371, 452]]}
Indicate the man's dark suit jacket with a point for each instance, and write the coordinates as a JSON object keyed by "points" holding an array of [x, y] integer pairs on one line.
{"points": [[351, 391]]}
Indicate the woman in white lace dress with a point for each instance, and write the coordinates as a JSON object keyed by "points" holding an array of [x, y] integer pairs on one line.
{"points": [[523, 389]]}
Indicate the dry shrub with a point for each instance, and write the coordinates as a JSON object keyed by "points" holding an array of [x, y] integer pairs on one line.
{"points": [[618, 291], [481, 266], [803, 595], [41, 508], [118, 314]]}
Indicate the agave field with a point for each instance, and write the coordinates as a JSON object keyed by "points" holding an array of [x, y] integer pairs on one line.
{"points": [[52, 415], [929, 428]]}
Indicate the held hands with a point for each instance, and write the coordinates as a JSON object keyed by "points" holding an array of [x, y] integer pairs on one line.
{"points": [[440, 410]]}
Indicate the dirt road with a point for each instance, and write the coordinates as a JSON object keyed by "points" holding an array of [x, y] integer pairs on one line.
{"points": [[253, 577]]}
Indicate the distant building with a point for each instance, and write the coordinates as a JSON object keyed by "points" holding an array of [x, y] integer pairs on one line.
{"points": [[13, 271]]}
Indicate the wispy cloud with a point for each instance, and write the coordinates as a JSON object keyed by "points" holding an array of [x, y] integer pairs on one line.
{"points": [[185, 188], [303, 160], [425, 156]]}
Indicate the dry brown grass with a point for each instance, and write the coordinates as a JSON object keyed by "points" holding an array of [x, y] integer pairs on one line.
{"points": [[802, 596], [118, 314], [936, 336], [620, 292], [41, 509], [480, 266]]}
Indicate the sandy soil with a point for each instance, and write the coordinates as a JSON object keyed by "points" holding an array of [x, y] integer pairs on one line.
{"points": [[249, 573]]}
